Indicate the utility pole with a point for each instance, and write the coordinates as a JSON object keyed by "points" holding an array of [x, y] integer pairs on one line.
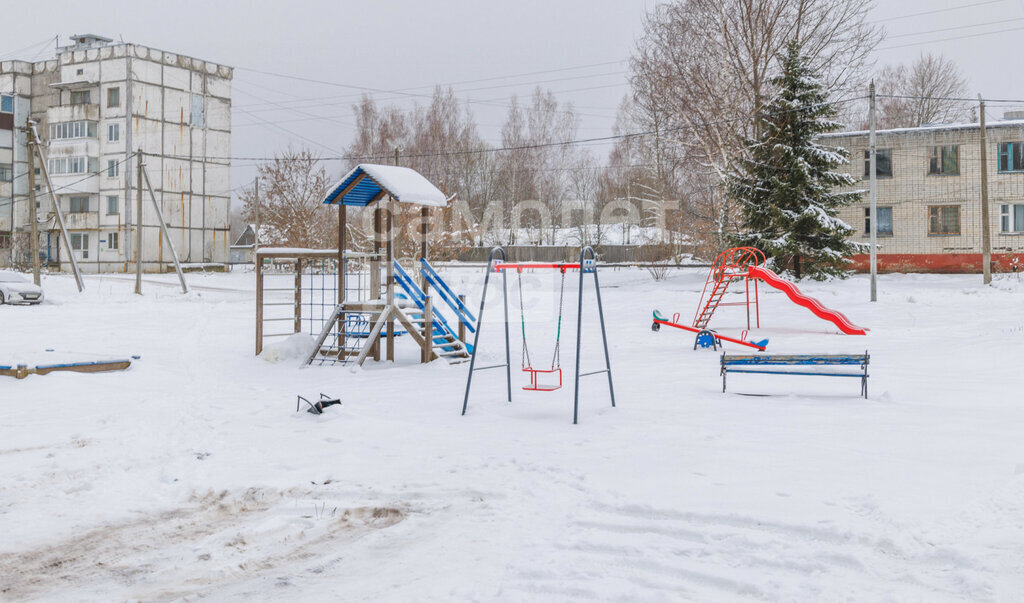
{"points": [[873, 212], [138, 223], [56, 210], [33, 217], [986, 235]]}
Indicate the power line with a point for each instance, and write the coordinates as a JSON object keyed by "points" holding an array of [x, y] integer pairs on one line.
{"points": [[345, 98], [939, 10], [414, 95], [964, 37], [533, 146], [8, 56], [921, 33]]}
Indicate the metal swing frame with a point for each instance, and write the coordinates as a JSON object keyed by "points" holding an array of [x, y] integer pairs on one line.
{"points": [[587, 265]]}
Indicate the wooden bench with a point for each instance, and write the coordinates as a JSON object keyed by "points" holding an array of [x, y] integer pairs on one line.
{"points": [[798, 364]]}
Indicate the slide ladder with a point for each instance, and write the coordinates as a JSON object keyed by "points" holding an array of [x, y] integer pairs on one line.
{"points": [[446, 342], [799, 298], [729, 266]]}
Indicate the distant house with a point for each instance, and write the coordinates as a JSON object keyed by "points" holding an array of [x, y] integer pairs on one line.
{"points": [[243, 250], [929, 195]]}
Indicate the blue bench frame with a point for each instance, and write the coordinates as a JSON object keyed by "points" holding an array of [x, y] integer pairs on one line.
{"points": [[751, 363]]}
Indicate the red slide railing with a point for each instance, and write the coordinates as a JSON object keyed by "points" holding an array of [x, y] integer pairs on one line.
{"points": [[799, 298]]}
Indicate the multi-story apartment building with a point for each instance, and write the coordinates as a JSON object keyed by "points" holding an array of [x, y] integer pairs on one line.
{"points": [[929, 195], [95, 105]]}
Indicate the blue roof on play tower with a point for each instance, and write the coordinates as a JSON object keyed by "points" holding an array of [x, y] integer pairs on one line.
{"points": [[368, 182]]}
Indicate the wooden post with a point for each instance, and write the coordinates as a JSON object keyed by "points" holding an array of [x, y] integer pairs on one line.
{"points": [[424, 232], [33, 219], [138, 225], [428, 331], [375, 273], [298, 295], [342, 242], [390, 272], [259, 305]]}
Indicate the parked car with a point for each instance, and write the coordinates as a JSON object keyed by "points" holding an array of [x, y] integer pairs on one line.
{"points": [[16, 289]]}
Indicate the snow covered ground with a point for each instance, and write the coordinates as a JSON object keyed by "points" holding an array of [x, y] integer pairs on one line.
{"points": [[192, 475]]}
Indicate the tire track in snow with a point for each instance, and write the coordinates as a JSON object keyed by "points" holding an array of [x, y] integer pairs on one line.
{"points": [[638, 552], [219, 540]]}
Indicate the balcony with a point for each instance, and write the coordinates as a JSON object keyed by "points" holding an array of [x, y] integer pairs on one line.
{"points": [[80, 220], [90, 112], [69, 184]]}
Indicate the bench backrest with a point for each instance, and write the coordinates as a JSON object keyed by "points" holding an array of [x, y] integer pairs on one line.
{"points": [[795, 359]]}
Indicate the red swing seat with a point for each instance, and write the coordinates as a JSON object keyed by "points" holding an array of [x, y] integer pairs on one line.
{"points": [[536, 387]]}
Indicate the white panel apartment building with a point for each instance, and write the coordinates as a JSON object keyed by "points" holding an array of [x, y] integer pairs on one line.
{"points": [[929, 195], [97, 103]]}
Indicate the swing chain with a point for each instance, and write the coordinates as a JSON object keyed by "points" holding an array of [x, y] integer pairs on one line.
{"points": [[522, 318], [556, 357]]}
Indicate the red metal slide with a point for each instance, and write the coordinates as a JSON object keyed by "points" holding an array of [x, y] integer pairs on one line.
{"points": [[800, 299]]}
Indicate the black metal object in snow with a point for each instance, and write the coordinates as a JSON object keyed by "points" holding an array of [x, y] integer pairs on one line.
{"points": [[317, 408], [588, 265]]}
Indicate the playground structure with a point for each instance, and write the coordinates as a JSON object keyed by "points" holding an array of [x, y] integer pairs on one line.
{"points": [[746, 264], [351, 301], [587, 264]]}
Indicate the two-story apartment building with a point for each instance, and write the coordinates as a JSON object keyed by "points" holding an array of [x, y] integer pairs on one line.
{"points": [[96, 103], [929, 195]]}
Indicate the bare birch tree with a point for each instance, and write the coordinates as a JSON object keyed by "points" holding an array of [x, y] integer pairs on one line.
{"points": [[291, 202], [702, 71], [931, 90]]}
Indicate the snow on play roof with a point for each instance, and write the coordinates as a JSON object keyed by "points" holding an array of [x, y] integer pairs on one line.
{"points": [[368, 181]]}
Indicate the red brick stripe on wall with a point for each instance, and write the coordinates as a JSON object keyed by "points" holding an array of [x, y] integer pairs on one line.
{"points": [[939, 262]]}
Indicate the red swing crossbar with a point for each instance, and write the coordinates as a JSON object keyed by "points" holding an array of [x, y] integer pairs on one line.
{"points": [[535, 387], [516, 266]]}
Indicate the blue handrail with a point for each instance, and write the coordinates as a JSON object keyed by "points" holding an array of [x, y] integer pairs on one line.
{"points": [[419, 297], [448, 295]]}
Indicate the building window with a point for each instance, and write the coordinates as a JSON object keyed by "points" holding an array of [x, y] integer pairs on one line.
{"points": [[884, 221], [883, 163], [6, 103], [113, 132], [112, 242], [113, 168], [79, 71], [1011, 218], [81, 97], [72, 129], [1011, 157], [6, 172], [112, 208], [80, 242], [68, 165], [113, 97], [5, 239], [943, 220], [198, 111], [79, 205], [945, 161]]}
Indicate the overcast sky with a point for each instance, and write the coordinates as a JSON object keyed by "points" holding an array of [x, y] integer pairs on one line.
{"points": [[411, 45]]}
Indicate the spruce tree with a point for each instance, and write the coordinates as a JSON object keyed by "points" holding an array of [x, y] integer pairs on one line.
{"points": [[786, 184]]}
